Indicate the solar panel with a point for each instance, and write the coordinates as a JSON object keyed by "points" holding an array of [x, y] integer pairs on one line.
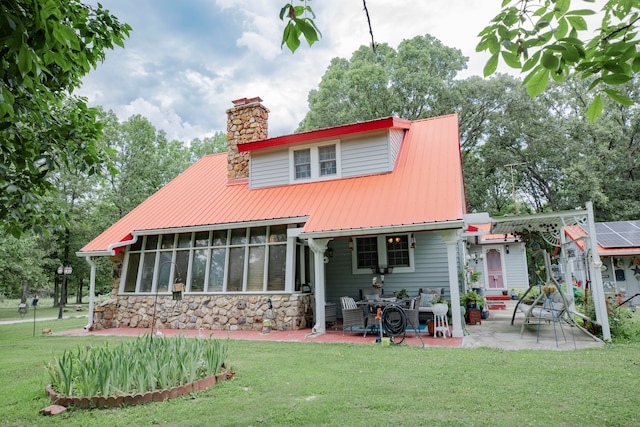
{"points": [[621, 234]]}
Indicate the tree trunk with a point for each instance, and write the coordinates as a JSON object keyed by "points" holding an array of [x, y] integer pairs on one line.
{"points": [[79, 294], [56, 289], [25, 290]]}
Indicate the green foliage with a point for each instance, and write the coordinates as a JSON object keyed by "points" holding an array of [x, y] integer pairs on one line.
{"points": [[145, 364], [548, 40], [472, 297], [413, 82], [299, 23], [47, 46], [27, 258]]}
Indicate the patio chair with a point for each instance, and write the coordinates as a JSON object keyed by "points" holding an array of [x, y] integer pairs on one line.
{"points": [[412, 313], [352, 315]]}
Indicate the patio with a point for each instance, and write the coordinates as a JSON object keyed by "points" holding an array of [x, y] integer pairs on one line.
{"points": [[495, 332]]}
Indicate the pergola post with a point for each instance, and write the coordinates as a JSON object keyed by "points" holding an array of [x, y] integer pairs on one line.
{"points": [[595, 272]]}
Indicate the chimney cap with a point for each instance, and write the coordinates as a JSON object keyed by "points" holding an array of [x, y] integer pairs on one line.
{"points": [[246, 101]]}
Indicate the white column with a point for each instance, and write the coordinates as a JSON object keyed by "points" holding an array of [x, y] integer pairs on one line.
{"points": [[92, 290], [597, 288], [451, 238], [319, 246], [568, 270]]}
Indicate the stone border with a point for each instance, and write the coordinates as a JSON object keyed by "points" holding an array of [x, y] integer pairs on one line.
{"points": [[135, 399]]}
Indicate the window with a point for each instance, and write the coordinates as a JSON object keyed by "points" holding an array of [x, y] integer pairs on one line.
{"points": [[398, 251], [367, 252], [302, 163], [327, 156], [392, 251], [315, 162], [237, 260]]}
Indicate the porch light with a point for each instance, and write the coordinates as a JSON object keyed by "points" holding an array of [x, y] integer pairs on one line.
{"points": [[413, 241], [506, 248], [350, 244]]}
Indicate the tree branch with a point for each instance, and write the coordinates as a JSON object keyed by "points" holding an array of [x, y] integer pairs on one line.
{"points": [[366, 11]]}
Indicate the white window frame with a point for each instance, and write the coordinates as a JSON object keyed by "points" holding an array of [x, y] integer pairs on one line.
{"points": [[382, 255], [315, 162]]}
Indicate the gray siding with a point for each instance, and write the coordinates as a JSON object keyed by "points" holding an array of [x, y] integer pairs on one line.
{"points": [[365, 156], [517, 274], [431, 270], [372, 154], [395, 142], [269, 169]]}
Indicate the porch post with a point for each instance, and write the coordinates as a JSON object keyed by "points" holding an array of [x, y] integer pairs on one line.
{"points": [[451, 238], [319, 246], [92, 291], [599, 299]]}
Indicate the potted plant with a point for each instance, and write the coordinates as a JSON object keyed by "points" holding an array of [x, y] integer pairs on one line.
{"points": [[472, 299], [402, 294]]}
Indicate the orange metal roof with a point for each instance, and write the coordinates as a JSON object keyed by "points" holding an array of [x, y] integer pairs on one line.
{"points": [[424, 191]]}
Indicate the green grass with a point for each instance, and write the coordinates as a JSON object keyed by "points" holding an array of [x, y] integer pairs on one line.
{"points": [[280, 384], [44, 310]]}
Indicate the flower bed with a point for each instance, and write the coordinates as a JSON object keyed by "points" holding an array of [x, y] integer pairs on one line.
{"points": [[143, 370], [118, 400]]}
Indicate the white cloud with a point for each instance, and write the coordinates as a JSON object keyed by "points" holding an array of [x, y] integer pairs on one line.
{"points": [[185, 63]]}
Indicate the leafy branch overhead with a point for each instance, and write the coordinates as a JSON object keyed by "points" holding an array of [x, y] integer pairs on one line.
{"points": [[549, 40], [299, 23]]}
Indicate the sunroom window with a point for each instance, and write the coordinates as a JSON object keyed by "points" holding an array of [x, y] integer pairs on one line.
{"points": [[237, 260]]}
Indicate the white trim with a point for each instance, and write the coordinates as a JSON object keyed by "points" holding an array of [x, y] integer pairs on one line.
{"points": [[391, 229], [315, 162]]}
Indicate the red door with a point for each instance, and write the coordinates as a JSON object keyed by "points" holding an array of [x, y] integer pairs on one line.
{"points": [[494, 269]]}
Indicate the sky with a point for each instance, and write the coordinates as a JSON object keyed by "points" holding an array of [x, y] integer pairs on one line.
{"points": [[185, 61]]}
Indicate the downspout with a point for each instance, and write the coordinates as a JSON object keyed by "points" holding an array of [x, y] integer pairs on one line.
{"points": [[92, 291]]}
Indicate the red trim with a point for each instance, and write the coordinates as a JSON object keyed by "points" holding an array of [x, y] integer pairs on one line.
{"points": [[119, 249], [339, 131]]}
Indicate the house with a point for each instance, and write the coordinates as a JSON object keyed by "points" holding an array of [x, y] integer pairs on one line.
{"points": [[252, 234], [501, 258], [619, 249]]}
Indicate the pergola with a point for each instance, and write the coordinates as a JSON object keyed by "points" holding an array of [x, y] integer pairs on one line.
{"points": [[550, 226]]}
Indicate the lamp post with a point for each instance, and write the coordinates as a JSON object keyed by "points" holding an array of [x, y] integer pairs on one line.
{"points": [[64, 271]]}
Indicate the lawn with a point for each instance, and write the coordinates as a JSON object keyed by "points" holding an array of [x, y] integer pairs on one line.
{"points": [[352, 385]]}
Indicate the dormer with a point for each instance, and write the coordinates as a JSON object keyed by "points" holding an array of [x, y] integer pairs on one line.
{"points": [[353, 150]]}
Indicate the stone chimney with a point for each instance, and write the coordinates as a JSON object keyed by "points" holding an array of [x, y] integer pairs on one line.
{"points": [[246, 121]]}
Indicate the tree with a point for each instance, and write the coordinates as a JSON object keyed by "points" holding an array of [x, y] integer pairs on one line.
{"points": [[210, 145], [544, 38], [412, 83], [27, 258], [548, 40], [45, 49], [145, 162]]}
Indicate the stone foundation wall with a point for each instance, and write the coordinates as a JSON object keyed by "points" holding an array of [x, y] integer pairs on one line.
{"points": [[217, 312]]}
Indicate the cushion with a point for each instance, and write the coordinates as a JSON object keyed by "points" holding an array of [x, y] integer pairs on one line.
{"points": [[425, 300]]}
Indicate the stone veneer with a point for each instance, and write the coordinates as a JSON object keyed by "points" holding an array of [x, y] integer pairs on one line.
{"points": [[216, 312], [246, 121]]}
